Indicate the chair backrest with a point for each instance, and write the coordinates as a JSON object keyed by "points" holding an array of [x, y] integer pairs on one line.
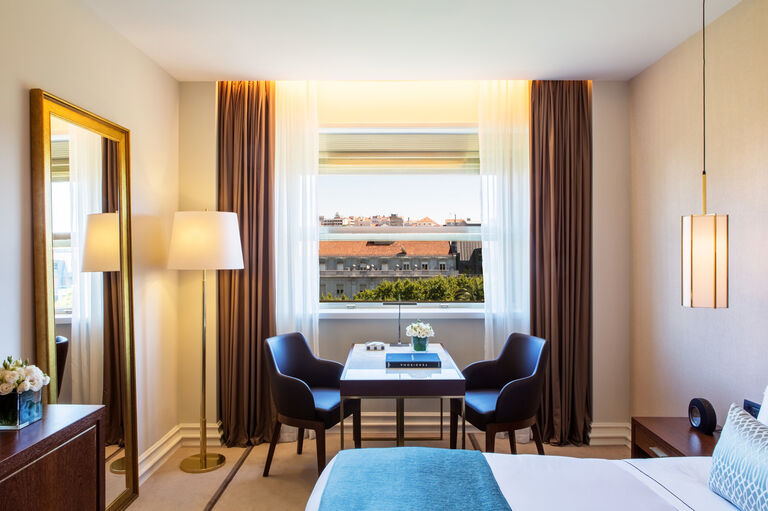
{"points": [[524, 355], [290, 354], [62, 350]]}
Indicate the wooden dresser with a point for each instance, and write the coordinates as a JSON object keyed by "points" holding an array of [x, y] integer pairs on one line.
{"points": [[57, 462]]}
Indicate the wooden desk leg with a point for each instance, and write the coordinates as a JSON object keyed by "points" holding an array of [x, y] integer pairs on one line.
{"points": [[341, 422], [441, 418], [463, 423], [400, 420]]}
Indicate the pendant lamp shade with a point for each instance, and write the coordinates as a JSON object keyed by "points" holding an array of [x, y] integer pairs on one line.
{"points": [[705, 261], [205, 240], [704, 238]]}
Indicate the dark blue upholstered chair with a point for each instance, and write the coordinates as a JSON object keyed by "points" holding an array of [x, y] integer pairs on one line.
{"points": [[504, 394], [305, 390]]}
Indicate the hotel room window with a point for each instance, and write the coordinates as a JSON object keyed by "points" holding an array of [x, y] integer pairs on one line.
{"points": [[389, 194], [61, 223]]}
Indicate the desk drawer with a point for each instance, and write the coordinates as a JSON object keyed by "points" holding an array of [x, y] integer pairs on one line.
{"points": [[650, 444]]}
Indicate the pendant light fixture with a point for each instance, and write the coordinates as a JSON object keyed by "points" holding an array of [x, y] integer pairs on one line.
{"points": [[704, 237]]}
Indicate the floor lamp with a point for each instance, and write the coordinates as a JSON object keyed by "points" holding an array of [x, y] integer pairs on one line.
{"points": [[101, 253], [204, 240]]}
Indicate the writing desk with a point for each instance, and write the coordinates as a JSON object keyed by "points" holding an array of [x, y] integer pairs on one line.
{"points": [[365, 376]]}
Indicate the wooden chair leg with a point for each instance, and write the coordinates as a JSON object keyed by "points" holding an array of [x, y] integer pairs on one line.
{"points": [[490, 439], [320, 434], [512, 442], [454, 432], [357, 432], [272, 444], [537, 438], [300, 441]]}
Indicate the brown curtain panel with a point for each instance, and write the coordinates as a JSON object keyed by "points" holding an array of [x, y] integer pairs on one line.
{"points": [[114, 345], [561, 246], [246, 170]]}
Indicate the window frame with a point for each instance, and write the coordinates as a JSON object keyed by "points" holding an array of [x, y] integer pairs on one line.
{"points": [[376, 310]]}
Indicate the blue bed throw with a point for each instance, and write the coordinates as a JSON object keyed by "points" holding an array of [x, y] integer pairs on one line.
{"points": [[411, 478]]}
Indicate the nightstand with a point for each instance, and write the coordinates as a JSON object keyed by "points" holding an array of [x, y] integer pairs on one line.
{"points": [[659, 437]]}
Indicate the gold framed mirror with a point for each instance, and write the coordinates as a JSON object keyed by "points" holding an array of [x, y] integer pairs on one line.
{"points": [[83, 283]]}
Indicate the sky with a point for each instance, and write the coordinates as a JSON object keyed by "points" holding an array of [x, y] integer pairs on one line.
{"points": [[408, 195]]}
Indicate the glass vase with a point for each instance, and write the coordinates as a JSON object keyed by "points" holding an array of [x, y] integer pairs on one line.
{"points": [[419, 343], [20, 410]]}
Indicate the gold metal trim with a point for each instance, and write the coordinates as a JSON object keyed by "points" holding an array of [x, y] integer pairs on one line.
{"points": [[42, 106]]}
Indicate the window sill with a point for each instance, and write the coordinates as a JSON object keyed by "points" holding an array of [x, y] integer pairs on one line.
{"points": [[63, 319], [407, 313]]}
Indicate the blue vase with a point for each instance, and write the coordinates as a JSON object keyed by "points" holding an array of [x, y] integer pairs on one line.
{"points": [[20, 410], [419, 343]]}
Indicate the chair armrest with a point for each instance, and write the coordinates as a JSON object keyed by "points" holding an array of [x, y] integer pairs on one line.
{"points": [[324, 373], [518, 400], [292, 397], [482, 375]]}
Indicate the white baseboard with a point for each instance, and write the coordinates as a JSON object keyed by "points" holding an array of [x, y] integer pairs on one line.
{"points": [[610, 433], [182, 435]]}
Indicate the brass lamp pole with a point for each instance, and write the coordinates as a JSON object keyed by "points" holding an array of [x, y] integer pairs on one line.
{"points": [[204, 240]]}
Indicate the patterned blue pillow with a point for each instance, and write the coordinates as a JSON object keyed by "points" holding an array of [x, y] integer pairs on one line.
{"points": [[740, 462]]}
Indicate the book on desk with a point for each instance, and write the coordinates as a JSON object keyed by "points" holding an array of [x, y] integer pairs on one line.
{"points": [[413, 361]]}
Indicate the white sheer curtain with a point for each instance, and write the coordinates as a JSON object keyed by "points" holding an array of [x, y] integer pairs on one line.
{"points": [[86, 351], [296, 219], [504, 133]]}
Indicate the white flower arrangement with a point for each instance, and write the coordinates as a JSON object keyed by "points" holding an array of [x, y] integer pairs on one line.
{"points": [[419, 329], [19, 376]]}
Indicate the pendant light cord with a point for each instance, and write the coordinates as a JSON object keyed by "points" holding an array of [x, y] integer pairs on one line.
{"points": [[704, 83], [704, 106]]}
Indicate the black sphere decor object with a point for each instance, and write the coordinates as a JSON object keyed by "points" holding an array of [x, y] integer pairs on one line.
{"points": [[702, 416]]}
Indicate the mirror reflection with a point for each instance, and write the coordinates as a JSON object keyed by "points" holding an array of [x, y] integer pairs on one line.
{"points": [[86, 281]]}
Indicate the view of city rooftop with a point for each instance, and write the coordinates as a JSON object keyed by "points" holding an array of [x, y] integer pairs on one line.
{"points": [[393, 198], [392, 220]]}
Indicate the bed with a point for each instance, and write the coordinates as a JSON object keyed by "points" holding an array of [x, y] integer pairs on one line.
{"points": [[532, 483]]}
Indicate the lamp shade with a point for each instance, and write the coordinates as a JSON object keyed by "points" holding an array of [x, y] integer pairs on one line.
{"points": [[705, 261], [205, 240], [101, 251]]}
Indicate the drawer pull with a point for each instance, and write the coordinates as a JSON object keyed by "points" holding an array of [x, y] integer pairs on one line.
{"points": [[658, 452]]}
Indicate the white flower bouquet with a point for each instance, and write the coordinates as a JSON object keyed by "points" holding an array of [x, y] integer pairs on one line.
{"points": [[419, 329], [21, 401], [18, 376], [419, 333]]}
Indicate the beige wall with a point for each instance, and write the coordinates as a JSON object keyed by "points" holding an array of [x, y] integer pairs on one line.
{"points": [[197, 191], [611, 252], [682, 353], [63, 48]]}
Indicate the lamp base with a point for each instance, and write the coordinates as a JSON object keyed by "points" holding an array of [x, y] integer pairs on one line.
{"points": [[118, 466], [196, 465], [399, 345]]}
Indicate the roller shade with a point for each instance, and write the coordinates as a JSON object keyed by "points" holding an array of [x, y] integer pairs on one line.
{"points": [[422, 150]]}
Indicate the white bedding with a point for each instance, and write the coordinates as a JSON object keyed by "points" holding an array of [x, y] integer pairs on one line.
{"points": [[538, 483]]}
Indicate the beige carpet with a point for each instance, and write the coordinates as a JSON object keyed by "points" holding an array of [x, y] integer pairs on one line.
{"points": [[291, 477]]}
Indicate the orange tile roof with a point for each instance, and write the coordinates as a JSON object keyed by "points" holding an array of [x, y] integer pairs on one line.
{"points": [[426, 220], [377, 249]]}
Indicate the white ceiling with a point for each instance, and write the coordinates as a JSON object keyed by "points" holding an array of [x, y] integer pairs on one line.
{"points": [[405, 39]]}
